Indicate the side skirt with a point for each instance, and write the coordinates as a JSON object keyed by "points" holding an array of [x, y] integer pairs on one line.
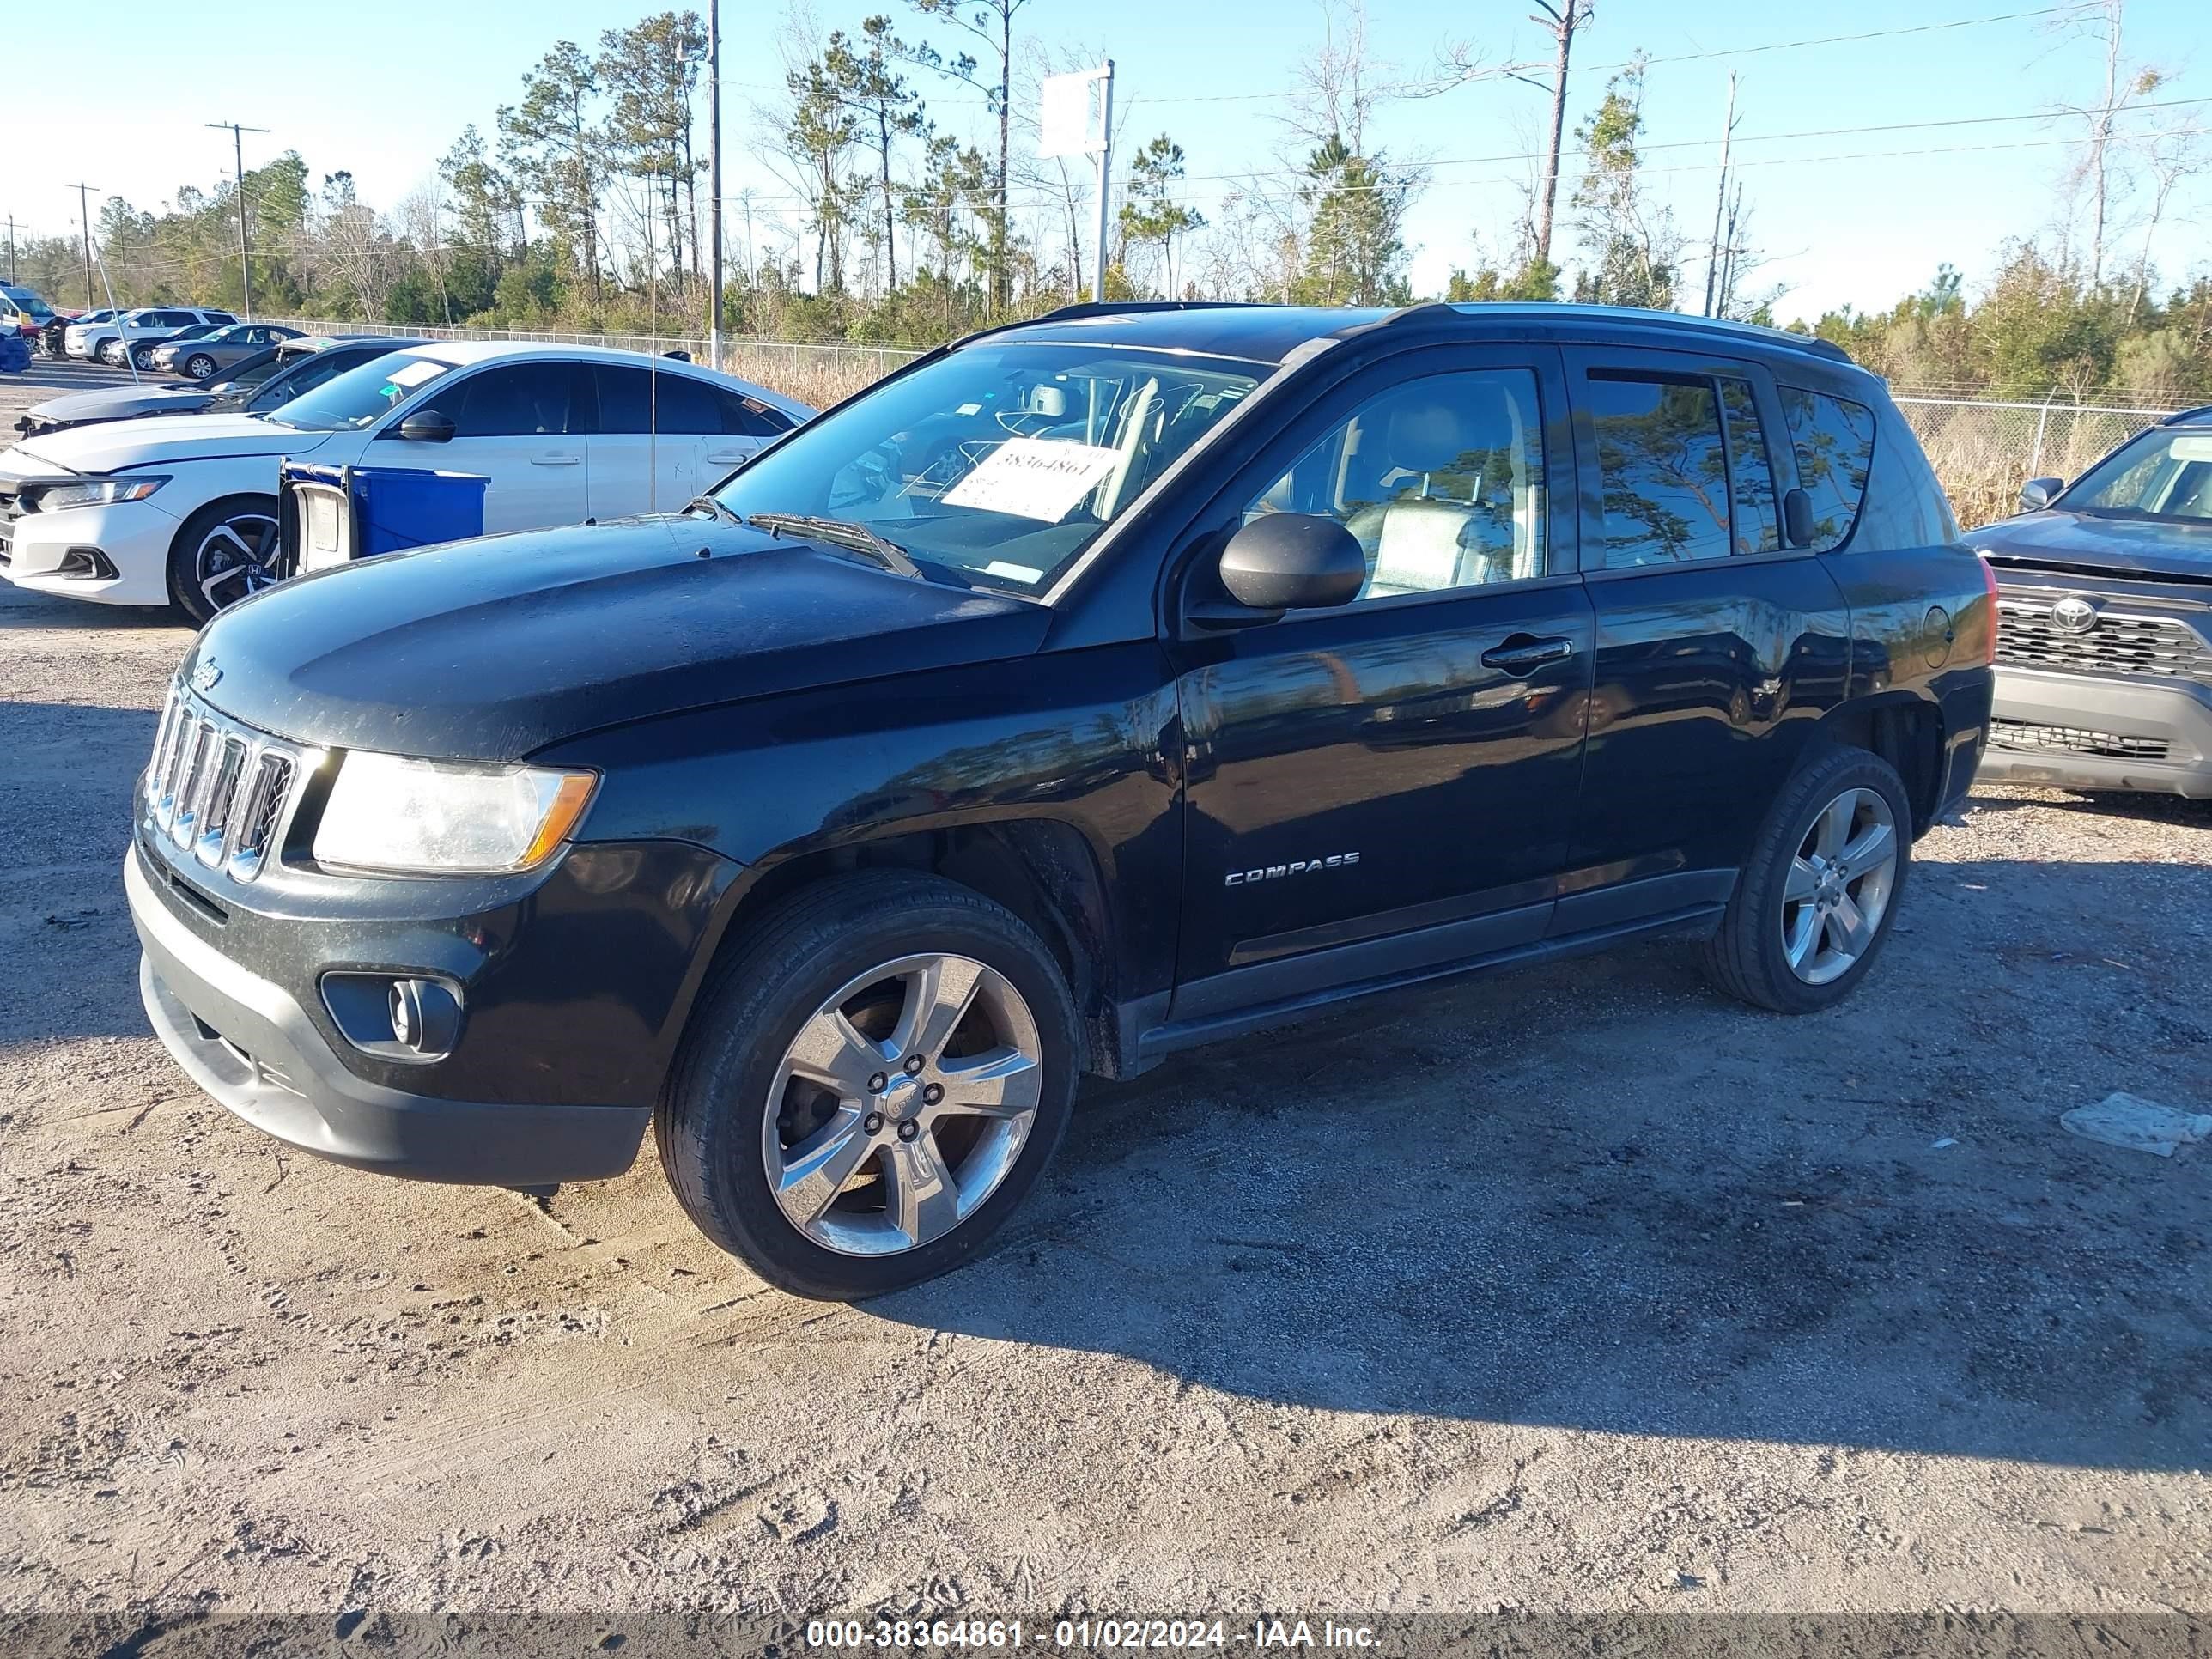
{"points": [[1151, 1036]]}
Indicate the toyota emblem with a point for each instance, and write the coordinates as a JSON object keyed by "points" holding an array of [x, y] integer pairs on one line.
{"points": [[2074, 614]]}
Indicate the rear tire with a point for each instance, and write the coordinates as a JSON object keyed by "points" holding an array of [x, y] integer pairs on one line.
{"points": [[1818, 894], [825, 1124]]}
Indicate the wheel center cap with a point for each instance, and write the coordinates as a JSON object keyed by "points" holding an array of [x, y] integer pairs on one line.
{"points": [[902, 1097]]}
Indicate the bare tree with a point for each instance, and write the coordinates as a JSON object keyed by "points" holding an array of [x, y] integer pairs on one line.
{"points": [[2100, 164], [2171, 157], [420, 214]]}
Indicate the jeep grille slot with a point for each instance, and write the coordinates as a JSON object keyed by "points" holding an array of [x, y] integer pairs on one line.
{"points": [[216, 790]]}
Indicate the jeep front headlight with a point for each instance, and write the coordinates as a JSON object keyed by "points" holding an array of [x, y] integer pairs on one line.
{"points": [[438, 818]]}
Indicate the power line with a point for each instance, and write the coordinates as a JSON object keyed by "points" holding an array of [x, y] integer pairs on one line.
{"points": [[1431, 87]]}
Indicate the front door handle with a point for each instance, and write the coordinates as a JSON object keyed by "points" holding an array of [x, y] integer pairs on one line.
{"points": [[727, 457], [556, 460], [1524, 653]]}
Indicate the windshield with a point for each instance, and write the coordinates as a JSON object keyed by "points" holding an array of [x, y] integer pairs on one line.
{"points": [[2164, 474], [999, 464], [250, 374], [32, 306], [361, 396]]}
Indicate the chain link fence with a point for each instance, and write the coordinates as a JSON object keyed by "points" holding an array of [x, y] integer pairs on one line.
{"points": [[1982, 452]]}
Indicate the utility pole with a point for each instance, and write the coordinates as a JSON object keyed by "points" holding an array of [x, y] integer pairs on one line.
{"points": [[1715, 290], [84, 223], [11, 248], [714, 176], [1105, 162], [238, 157]]}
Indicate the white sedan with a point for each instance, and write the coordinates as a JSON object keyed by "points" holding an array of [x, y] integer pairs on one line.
{"points": [[182, 509]]}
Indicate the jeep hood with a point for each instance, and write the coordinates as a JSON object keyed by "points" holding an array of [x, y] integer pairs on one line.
{"points": [[120, 446], [492, 649], [2090, 543]]}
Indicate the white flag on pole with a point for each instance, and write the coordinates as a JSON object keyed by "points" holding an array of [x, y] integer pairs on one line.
{"points": [[1063, 121]]}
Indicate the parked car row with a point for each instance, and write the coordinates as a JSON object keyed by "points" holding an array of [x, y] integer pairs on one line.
{"points": [[125, 503], [271, 377], [137, 332]]}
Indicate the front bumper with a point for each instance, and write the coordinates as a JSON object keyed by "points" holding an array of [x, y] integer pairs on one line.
{"points": [[132, 538], [248, 1042], [2083, 732]]}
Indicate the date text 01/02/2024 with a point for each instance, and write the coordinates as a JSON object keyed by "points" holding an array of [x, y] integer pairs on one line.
{"points": [[1111, 1635]]}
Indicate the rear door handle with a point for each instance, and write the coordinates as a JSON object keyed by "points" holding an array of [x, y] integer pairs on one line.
{"points": [[556, 460], [727, 457], [1524, 653]]}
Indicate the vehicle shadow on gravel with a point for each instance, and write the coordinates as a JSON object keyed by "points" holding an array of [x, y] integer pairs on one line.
{"points": [[48, 614], [65, 817], [1598, 1196]]}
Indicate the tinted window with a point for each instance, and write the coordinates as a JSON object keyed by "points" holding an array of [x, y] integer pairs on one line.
{"points": [[1833, 438], [625, 398], [1758, 517], [1441, 479], [1662, 468], [521, 401], [748, 417], [686, 404]]}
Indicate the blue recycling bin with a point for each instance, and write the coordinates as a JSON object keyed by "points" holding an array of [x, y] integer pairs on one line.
{"points": [[331, 515], [397, 507]]}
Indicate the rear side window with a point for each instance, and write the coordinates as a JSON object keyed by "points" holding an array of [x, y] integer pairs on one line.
{"points": [[687, 405], [748, 417], [1758, 517], [1834, 441], [1662, 466]]}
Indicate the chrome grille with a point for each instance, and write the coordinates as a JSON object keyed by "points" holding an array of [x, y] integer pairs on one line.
{"points": [[2075, 740], [2121, 642], [216, 790]]}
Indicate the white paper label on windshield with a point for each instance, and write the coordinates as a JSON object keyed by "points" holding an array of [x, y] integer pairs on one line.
{"points": [[414, 374], [1033, 478]]}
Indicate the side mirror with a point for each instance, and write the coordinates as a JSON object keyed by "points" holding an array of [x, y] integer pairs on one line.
{"points": [[427, 427], [1798, 518], [2039, 493], [1293, 562]]}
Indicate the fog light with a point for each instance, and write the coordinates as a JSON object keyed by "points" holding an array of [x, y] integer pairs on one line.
{"points": [[426, 1017], [404, 1017]]}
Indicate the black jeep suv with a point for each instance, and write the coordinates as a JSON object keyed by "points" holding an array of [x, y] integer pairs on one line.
{"points": [[1089, 689]]}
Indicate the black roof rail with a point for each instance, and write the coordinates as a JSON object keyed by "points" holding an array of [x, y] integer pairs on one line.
{"points": [[1081, 308], [2201, 412], [1438, 310]]}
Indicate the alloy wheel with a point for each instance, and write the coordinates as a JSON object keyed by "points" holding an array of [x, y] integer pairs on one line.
{"points": [[235, 559], [1839, 885], [902, 1104], [200, 368]]}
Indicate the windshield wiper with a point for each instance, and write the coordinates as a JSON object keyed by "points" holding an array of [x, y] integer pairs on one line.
{"points": [[714, 508], [842, 532]]}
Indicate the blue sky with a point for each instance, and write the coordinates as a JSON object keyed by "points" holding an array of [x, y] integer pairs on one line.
{"points": [[1840, 218]]}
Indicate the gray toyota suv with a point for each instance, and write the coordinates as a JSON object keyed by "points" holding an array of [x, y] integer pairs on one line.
{"points": [[2105, 621]]}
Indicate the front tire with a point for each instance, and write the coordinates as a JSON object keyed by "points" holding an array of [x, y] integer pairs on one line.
{"points": [[226, 551], [199, 368], [1820, 889], [142, 358], [870, 1086]]}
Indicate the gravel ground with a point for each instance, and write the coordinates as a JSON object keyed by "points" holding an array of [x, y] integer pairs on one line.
{"points": [[1579, 1289]]}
